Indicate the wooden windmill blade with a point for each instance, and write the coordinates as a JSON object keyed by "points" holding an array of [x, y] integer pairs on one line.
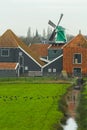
{"points": [[52, 35], [60, 19], [52, 24]]}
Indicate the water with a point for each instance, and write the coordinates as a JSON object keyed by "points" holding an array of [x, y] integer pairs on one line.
{"points": [[70, 124]]}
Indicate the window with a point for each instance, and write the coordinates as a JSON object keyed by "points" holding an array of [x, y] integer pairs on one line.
{"points": [[49, 70], [5, 52], [54, 70], [26, 67], [77, 59]]}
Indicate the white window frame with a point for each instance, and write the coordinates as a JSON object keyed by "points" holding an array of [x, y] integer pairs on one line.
{"points": [[76, 59], [26, 67], [49, 70], [2, 52], [54, 70]]}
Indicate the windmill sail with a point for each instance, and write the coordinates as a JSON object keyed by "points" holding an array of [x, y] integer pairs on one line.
{"points": [[60, 19], [51, 23], [52, 35], [58, 35]]}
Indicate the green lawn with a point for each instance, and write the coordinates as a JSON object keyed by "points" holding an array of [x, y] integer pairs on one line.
{"points": [[25, 106]]}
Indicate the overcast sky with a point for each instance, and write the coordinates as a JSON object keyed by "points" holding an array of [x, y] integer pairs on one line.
{"points": [[19, 15]]}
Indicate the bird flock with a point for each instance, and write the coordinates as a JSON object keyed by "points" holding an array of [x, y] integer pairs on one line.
{"points": [[25, 98]]}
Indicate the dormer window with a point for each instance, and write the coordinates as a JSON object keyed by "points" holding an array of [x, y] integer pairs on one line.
{"points": [[5, 52], [77, 58]]}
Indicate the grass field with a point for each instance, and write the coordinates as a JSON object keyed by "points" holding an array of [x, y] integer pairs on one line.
{"points": [[25, 106]]}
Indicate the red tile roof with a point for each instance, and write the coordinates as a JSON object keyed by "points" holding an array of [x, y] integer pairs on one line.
{"points": [[40, 49], [8, 65], [78, 41], [10, 40]]}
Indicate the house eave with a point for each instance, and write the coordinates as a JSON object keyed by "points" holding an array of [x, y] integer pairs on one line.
{"points": [[52, 61]]}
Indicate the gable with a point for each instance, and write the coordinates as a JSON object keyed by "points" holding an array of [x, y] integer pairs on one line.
{"points": [[55, 66], [53, 61], [10, 40], [78, 41]]}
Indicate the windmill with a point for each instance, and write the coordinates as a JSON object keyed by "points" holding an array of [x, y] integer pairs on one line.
{"points": [[58, 35]]}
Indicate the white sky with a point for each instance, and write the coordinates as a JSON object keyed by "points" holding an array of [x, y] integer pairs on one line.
{"points": [[19, 15]]}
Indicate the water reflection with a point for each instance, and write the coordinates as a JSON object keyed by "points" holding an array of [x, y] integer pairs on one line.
{"points": [[70, 124]]}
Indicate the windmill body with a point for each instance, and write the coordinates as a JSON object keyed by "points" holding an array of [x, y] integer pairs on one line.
{"points": [[60, 36]]}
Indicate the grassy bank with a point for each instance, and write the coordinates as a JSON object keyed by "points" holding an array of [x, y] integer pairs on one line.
{"points": [[82, 121], [50, 79], [26, 106]]}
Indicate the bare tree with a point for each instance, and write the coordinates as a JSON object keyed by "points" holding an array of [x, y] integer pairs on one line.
{"points": [[44, 34], [49, 31], [29, 32]]}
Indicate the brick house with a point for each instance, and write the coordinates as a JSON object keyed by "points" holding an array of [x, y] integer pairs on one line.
{"points": [[75, 56]]}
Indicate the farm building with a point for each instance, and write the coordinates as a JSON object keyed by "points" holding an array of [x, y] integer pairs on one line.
{"points": [[75, 56], [13, 52], [18, 59]]}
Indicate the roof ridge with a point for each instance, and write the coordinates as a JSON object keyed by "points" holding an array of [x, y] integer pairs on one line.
{"points": [[32, 54], [74, 39]]}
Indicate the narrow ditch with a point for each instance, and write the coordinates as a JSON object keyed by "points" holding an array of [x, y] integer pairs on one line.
{"points": [[69, 107]]}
